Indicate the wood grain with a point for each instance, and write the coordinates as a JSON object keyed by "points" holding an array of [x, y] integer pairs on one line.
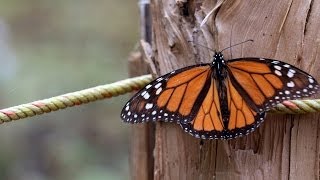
{"points": [[285, 146]]}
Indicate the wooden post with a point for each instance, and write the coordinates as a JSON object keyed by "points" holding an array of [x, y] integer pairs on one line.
{"points": [[285, 146], [142, 135]]}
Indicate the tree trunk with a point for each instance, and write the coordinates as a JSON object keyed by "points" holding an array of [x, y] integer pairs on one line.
{"points": [[285, 146]]}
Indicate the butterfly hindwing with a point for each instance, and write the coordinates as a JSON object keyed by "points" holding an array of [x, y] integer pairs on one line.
{"points": [[171, 97], [209, 124]]}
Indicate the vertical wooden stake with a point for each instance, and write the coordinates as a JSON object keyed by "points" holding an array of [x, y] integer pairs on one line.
{"points": [[285, 146], [142, 136]]}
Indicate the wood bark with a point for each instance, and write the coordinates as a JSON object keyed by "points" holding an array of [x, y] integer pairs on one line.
{"points": [[285, 146]]}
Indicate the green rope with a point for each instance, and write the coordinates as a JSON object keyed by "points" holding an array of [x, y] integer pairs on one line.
{"points": [[74, 98], [118, 88]]}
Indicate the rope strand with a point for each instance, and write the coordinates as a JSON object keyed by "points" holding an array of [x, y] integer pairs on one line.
{"points": [[118, 88]]}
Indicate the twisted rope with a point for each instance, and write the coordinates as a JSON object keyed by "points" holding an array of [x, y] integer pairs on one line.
{"points": [[73, 99], [118, 88]]}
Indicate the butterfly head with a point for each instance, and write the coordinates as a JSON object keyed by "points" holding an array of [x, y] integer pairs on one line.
{"points": [[218, 58]]}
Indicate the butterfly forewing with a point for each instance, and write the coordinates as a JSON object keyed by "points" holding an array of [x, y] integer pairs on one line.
{"points": [[171, 97], [267, 82]]}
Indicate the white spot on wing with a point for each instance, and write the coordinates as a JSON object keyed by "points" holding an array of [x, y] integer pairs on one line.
{"points": [[148, 86], [146, 96], [149, 106], [311, 80], [290, 74], [157, 85], [158, 91], [278, 73], [159, 79], [290, 84], [127, 108], [277, 67], [154, 112], [292, 70]]}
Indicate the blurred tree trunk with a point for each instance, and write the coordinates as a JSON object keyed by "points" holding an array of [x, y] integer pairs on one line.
{"points": [[285, 146]]}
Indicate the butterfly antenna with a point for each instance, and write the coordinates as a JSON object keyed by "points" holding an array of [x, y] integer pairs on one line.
{"points": [[251, 40], [201, 45]]}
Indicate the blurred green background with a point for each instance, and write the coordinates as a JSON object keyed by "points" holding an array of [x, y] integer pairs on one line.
{"points": [[48, 48]]}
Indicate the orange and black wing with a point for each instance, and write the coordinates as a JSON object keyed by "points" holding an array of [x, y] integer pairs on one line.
{"points": [[253, 86], [209, 117], [174, 97], [264, 83], [210, 123]]}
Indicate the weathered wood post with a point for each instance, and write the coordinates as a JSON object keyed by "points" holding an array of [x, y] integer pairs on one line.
{"points": [[285, 146]]}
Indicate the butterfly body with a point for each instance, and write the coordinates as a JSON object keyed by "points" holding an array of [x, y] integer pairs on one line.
{"points": [[222, 99], [219, 69]]}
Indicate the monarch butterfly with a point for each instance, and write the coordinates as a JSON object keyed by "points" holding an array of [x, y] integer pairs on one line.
{"points": [[222, 99]]}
